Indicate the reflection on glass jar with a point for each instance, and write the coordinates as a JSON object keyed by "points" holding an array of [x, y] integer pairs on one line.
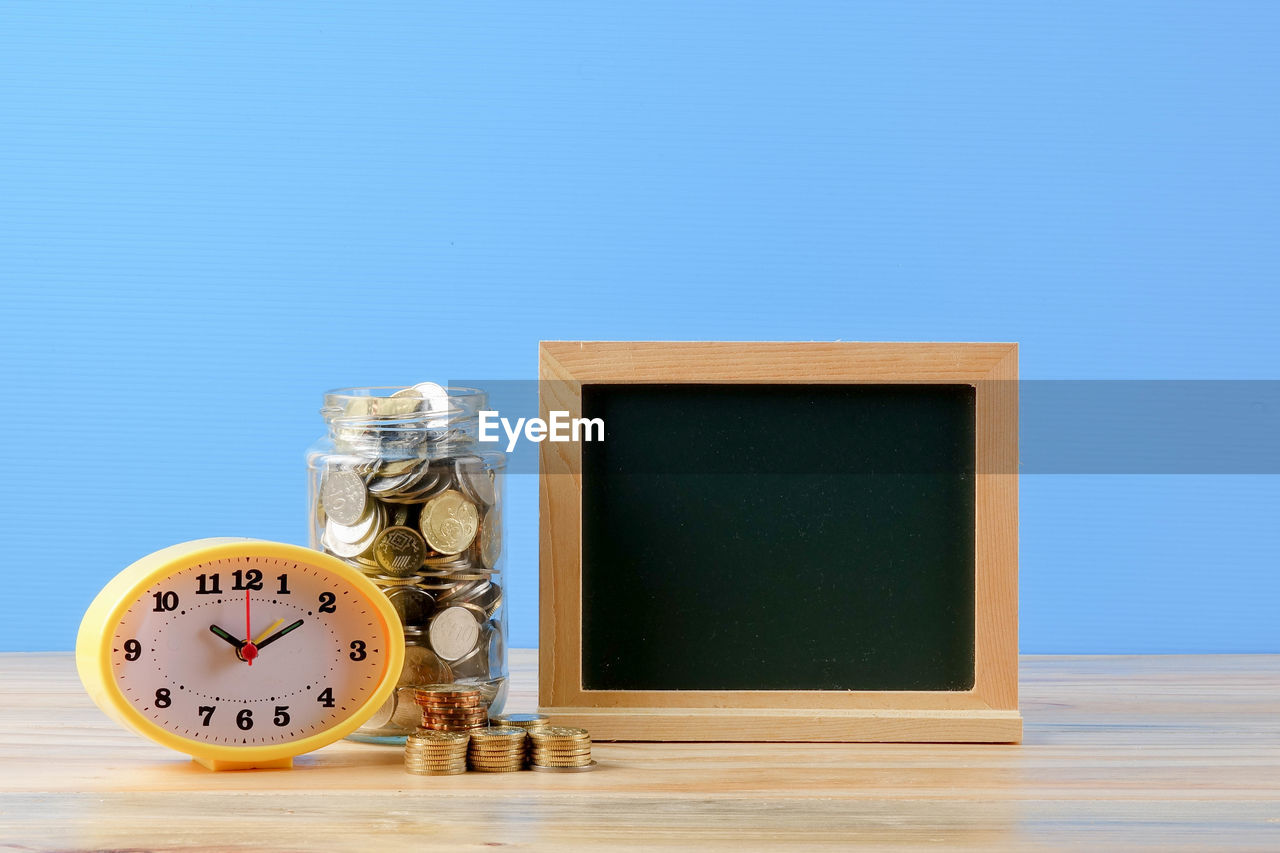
{"points": [[400, 489]]}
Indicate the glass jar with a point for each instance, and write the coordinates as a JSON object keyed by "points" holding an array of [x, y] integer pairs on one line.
{"points": [[400, 489]]}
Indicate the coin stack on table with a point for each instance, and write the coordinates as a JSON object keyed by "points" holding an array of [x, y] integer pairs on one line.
{"points": [[432, 753], [402, 493], [528, 722], [496, 749], [559, 749], [528, 742], [450, 708]]}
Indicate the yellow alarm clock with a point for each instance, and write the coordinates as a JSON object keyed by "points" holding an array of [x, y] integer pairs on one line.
{"points": [[241, 653]]}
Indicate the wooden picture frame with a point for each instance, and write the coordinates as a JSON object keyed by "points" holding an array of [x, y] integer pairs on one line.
{"points": [[986, 713]]}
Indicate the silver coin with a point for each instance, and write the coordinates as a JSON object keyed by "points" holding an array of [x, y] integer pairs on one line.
{"points": [[353, 550], [434, 397], [354, 532], [497, 650], [465, 591], [344, 496], [476, 480], [389, 485], [453, 633], [475, 664]]}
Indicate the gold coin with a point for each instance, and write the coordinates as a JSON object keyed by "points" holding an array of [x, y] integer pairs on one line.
{"points": [[491, 749], [449, 689], [562, 732], [491, 538], [399, 551], [574, 769], [512, 769], [424, 747], [429, 736], [508, 733], [567, 750], [451, 772], [449, 522], [421, 664], [495, 765]]}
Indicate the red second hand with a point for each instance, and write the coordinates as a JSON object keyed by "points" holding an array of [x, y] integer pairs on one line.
{"points": [[250, 651]]}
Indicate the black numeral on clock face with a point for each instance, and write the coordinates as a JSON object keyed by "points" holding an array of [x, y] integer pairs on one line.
{"points": [[206, 714], [284, 584], [325, 697], [162, 698], [250, 579], [165, 601], [281, 718], [244, 720], [328, 602], [357, 650], [132, 650], [209, 584]]}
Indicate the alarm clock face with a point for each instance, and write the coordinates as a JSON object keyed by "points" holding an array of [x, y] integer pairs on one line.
{"points": [[249, 651]]}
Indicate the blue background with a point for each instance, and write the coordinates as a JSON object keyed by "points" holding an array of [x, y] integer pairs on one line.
{"points": [[210, 212]]}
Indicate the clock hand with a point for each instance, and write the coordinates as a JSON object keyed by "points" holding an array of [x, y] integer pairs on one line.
{"points": [[278, 634], [247, 651], [224, 635], [274, 625]]}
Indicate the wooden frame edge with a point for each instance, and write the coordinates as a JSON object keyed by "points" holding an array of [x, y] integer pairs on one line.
{"points": [[990, 708], [780, 725]]}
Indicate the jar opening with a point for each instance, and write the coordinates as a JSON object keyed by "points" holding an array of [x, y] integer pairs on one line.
{"points": [[402, 407]]}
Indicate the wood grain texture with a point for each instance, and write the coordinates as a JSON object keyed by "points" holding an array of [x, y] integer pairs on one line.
{"points": [[1144, 753], [988, 712]]}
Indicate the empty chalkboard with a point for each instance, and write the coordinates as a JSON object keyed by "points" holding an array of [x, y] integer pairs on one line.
{"points": [[778, 537]]}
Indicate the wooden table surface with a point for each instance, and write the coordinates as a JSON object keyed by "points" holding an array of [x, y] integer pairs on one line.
{"points": [[1120, 752]]}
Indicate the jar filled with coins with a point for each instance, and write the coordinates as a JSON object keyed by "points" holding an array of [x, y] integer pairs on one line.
{"points": [[401, 489]]}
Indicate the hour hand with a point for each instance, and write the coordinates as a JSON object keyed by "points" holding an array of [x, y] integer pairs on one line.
{"points": [[224, 635], [278, 634]]}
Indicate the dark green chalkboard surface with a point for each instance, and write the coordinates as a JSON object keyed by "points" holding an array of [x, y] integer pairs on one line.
{"points": [[778, 537]]}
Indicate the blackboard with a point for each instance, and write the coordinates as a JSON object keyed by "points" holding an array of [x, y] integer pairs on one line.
{"points": [[779, 537]]}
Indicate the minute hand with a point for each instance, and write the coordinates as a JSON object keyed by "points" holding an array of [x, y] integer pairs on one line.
{"points": [[278, 634], [218, 632]]}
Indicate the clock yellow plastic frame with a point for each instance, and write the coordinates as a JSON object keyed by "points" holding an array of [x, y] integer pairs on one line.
{"points": [[93, 649]]}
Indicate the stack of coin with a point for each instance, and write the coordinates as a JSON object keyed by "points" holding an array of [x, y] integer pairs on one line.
{"points": [[528, 722], [559, 749], [451, 708], [432, 753], [498, 749]]}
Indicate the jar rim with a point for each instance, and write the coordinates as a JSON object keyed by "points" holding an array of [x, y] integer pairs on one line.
{"points": [[464, 404]]}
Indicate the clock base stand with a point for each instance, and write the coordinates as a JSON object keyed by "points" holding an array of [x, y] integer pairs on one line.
{"points": [[275, 764]]}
